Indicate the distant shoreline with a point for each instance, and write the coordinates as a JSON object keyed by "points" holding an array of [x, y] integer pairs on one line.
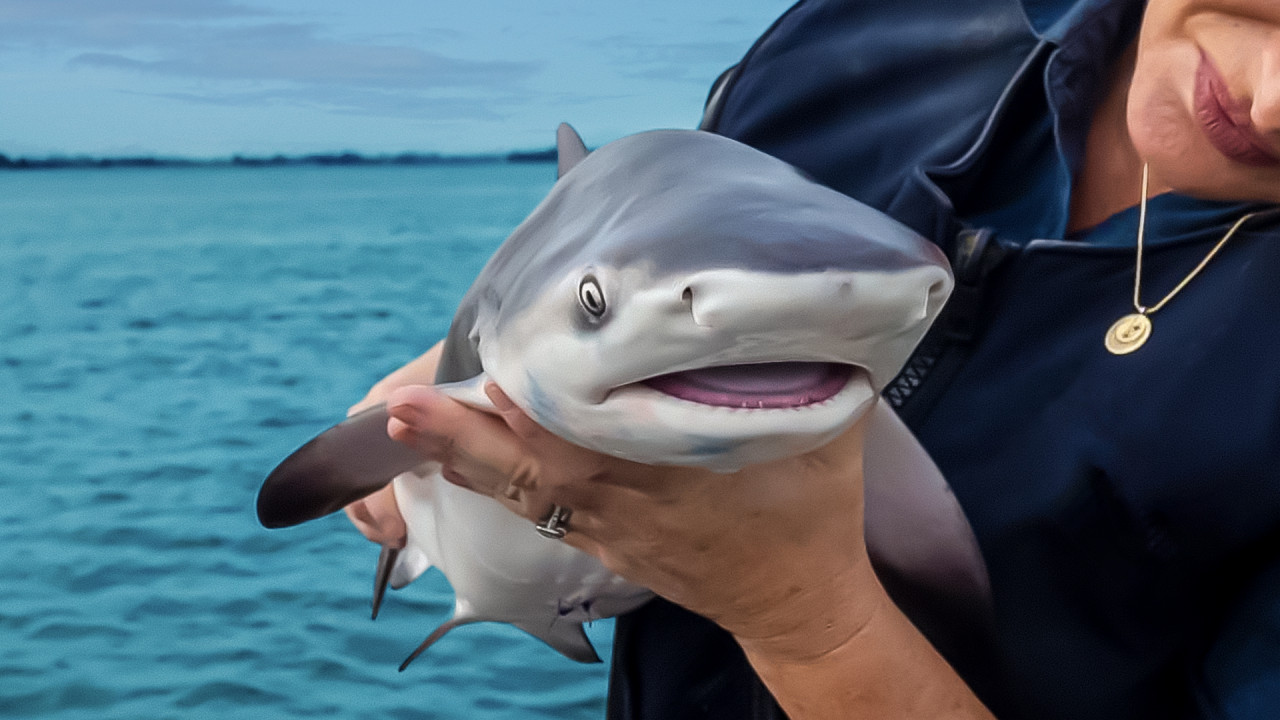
{"points": [[315, 159]]}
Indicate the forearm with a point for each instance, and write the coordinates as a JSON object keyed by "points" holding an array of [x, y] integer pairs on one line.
{"points": [[884, 670]]}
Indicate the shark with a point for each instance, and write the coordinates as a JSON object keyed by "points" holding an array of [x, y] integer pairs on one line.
{"points": [[678, 298]]}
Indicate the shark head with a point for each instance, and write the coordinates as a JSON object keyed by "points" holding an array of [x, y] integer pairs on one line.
{"points": [[681, 298]]}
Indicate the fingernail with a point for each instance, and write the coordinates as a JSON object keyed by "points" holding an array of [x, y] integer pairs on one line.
{"points": [[409, 414], [399, 431]]}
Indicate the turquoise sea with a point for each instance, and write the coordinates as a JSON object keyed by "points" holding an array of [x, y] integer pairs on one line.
{"points": [[166, 337]]}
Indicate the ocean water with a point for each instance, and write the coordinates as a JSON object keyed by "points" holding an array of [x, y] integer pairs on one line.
{"points": [[166, 337]]}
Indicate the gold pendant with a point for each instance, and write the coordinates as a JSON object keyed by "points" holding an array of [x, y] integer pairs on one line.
{"points": [[1128, 334]]}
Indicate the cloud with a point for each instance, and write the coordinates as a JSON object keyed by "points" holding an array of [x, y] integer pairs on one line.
{"points": [[229, 52], [411, 106], [54, 24], [89, 11], [297, 53]]}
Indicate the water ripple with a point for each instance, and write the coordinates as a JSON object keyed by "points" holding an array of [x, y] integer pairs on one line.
{"points": [[166, 337]]}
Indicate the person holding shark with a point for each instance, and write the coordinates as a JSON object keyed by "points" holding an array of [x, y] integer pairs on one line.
{"points": [[1104, 176]]}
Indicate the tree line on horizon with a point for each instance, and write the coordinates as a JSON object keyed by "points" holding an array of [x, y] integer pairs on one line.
{"points": [[55, 162]]}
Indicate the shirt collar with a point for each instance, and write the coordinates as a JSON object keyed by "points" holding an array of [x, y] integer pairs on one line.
{"points": [[1175, 219], [1090, 36], [1055, 20]]}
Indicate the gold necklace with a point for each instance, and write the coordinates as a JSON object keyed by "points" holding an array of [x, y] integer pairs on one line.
{"points": [[1131, 331]]}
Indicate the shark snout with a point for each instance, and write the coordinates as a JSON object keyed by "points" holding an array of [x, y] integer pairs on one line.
{"points": [[829, 301], [838, 316], [732, 316], [723, 300]]}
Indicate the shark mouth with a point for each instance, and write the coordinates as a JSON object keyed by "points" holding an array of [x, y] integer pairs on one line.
{"points": [[760, 385]]}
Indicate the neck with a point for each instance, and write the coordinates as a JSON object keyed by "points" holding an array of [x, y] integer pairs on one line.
{"points": [[1111, 172]]}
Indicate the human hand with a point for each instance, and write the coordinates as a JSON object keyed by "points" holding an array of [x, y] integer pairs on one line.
{"points": [[377, 516], [774, 553]]}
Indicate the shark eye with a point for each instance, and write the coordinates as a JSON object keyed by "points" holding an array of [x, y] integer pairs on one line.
{"points": [[591, 296]]}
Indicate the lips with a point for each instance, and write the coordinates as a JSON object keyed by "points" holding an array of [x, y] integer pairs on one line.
{"points": [[1225, 120], [762, 385]]}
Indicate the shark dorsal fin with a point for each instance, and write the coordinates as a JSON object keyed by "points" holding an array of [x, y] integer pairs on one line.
{"points": [[570, 150]]}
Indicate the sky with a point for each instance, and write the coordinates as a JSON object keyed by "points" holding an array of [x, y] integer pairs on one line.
{"points": [[213, 78]]}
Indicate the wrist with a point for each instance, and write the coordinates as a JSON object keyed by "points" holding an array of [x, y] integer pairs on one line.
{"points": [[806, 623], [882, 668]]}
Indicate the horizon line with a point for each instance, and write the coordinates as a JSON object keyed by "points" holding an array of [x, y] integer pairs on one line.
{"points": [[345, 158]]}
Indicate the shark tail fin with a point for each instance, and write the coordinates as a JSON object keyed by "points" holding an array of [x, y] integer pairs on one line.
{"points": [[568, 638]]}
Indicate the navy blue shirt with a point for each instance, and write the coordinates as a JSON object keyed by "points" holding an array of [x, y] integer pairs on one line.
{"points": [[1128, 507]]}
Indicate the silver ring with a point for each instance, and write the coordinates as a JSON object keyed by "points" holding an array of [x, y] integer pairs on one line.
{"points": [[554, 527]]}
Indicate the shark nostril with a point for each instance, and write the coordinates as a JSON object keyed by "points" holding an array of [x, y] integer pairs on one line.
{"points": [[686, 299]]}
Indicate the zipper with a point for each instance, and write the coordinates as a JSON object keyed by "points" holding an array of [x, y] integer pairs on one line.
{"points": [[976, 255]]}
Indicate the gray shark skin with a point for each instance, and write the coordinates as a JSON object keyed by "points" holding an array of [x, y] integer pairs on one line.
{"points": [[677, 299]]}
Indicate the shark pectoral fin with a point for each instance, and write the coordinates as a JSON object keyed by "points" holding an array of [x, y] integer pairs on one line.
{"points": [[469, 392], [386, 560], [568, 638], [410, 563], [914, 522], [345, 463], [570, 150], [435, 635]]}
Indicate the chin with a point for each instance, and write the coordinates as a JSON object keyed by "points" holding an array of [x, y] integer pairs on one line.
{"points": [[1209, 175]]}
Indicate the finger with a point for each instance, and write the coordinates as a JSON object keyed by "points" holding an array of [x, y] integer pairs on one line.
{"points": [[527, 474], [359, 516], [378, 518], [572, 467], [386, 514], [583, 542], [476, 449], [434, 424], [515, 418], [596, 479], [584, 533]]}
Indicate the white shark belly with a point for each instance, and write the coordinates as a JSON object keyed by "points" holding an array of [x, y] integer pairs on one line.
{"points": [[500, 570]]}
